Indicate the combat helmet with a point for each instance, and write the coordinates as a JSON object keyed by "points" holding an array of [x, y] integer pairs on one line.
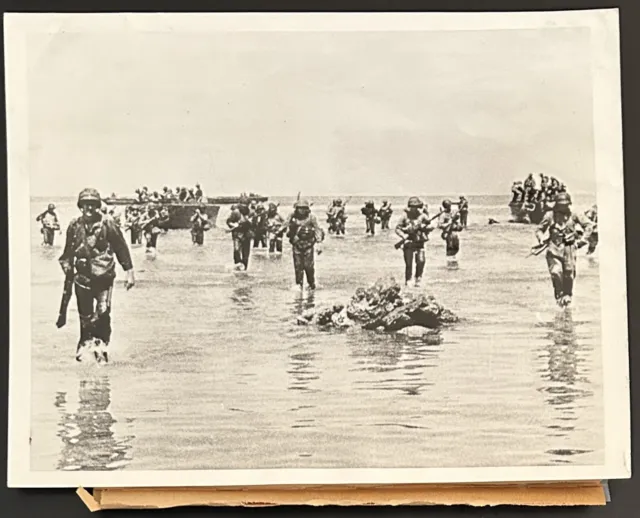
{"points": [[414, 201], [562, 200], [88, 194], [272, 206], [302, 204], [51, 207], [446, 204]]}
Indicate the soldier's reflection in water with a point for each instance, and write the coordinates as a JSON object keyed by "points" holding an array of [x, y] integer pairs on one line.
{"points": [[563, 376], [87, 434], [395, 361], [242, 296]]}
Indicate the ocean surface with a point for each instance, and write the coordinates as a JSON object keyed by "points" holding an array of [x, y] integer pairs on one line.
{"points": [[209, 370]]}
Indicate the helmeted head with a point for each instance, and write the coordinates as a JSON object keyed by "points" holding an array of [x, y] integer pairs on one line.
{"points": [[145, 188], [595, 208], [384, 202], [446, 204], [272, 208], [155, 193], [51, 207], [414, 203], [197, 186], [369, 203], [302, 207], [462, 198], [89, 202], [137, 191], [562, 203], [339, 203], [165, 188]]}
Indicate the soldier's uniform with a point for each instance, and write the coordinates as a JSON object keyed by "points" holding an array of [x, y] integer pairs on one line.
{"points": [[91, 249], [370, 213], [275, 222], [414, 228], [566, 230], [240, 220], [384, 213], [304, 233], [50, 224]]}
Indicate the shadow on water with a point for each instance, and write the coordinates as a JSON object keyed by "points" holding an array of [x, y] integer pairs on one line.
{"points": [[394, 361], [563, 375], [242, 296], [89, 442]]}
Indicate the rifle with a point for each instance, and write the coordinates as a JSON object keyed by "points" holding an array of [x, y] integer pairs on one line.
{"points": [[400, 243], [67, 291], [539, 248]]}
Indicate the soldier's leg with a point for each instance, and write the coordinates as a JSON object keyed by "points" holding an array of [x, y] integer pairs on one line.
{"points": [[272, 243], [237, 250], [84, 299], [420, 263], [569, 270], [556, 271], [102, 326], [408, 263], [593, 243], [310, 267], [246, 252], [298, 265], [279, 244]]}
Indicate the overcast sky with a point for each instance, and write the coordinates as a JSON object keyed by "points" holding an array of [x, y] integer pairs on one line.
{"points": [[326, 113]]}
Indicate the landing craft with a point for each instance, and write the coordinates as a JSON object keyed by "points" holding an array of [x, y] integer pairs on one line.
{"points": [[180, 212]]}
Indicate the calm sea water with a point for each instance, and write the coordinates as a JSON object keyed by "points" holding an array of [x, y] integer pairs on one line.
{"points": [[208, 369]]}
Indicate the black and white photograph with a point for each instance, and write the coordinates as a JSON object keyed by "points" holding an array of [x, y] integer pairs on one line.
{"points": [[252, 249]]}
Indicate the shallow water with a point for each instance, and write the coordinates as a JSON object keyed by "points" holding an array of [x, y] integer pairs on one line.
{"points": [[208, 369]]}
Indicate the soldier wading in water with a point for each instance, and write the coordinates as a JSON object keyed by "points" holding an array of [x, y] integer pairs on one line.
{"points": [[240, 223], [93, 243], [566, 233], [304, 233], [414, 229], [50, 224]]}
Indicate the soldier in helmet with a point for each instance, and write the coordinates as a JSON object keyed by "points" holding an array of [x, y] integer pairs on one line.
{"points": [[369, 211], [384, 214], [413, 228], [463, 210], [275, 223], [304, 234], [450, 225], [93, 243], [199, 194], [199, 225], [240, 223], [592, 215], [50, 224], [566, 233]]}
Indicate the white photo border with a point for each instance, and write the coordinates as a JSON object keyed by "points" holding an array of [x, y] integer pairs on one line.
{"points": [[604, 27]]}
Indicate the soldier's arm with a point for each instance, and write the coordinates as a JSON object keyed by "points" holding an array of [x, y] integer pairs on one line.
{"points": [[319, 233], [543, 227], [586, 224], [119, 245], [66, 259], [401, 228]]}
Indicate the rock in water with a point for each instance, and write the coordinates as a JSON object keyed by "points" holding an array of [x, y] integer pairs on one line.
{"points": [[382, 306]]}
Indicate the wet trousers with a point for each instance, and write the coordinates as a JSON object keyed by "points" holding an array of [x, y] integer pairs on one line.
{"points": [[275, 243], [260, 240], [384, 222], [152, 239], [136, 237], [94, 309], [47, 235], [304, 264], [453, 244], [197, 236], [463, 218], [241, 250], [562, 269], [411, 254], [371, 226], [593, 243]]}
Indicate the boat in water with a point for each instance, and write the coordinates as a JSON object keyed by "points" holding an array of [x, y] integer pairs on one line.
{"points": [[180, 213], [529, 212]]}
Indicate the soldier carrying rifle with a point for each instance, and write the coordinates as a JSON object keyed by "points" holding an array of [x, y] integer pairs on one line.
{"points": [[414, 228], [567, 232]]}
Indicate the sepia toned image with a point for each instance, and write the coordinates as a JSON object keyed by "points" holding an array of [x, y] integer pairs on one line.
{"points": [[316, 249]]}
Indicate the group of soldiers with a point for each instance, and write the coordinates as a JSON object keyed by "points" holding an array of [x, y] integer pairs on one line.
{"points": [[168, 195], [95, 241], [530, 192], [144, 220]]}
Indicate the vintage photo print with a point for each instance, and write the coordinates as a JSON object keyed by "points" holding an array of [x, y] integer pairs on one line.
{"points": [[252, 249]]}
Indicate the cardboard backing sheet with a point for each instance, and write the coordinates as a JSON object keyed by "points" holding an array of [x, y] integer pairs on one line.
{"points": [[552, 494]]}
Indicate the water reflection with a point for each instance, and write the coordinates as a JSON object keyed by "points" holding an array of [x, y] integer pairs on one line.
{"points": [[563, 375], [242, 296], [394, 361], [89, 442]]}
